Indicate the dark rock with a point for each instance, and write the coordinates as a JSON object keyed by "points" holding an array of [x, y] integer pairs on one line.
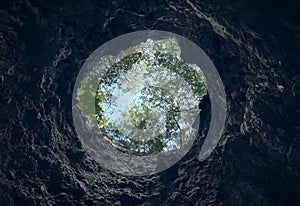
{"points": [[255, 47]]}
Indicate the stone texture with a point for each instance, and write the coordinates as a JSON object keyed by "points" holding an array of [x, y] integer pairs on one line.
{"points": [[254, 45]]}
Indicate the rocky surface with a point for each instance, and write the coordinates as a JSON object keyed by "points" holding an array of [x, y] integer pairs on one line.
{"points": [[255, 47]]}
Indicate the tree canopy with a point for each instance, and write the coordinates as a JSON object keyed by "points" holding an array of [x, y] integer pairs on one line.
{"points": [[147, 100]]}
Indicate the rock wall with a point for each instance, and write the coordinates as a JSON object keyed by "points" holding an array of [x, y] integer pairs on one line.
{"points": [[253, 44]]}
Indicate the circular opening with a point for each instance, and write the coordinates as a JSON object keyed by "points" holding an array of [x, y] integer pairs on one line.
{"points": [[136, 102], [147, 100]]}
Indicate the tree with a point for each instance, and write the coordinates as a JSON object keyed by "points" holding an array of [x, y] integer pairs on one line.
{"points": [[147, 100]]}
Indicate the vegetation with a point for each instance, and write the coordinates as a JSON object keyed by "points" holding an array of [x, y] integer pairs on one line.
{"points": [[146, 101]]}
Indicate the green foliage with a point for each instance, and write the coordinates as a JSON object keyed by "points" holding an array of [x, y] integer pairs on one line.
{"points": [[178, 66], [138, 118], [85, 96]]}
